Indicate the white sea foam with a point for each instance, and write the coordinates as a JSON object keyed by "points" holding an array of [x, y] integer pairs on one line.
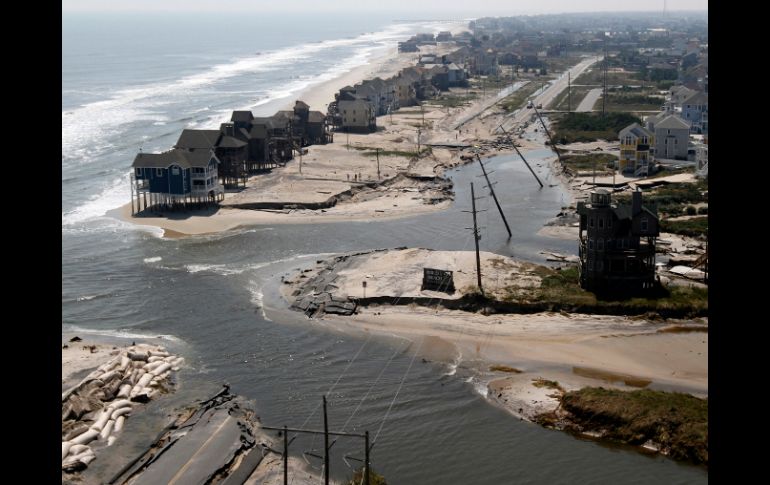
{"points": [[116, 194], [154, 259], [119, 333], [87, 130]]}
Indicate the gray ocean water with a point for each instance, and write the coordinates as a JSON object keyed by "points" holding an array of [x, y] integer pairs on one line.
{"points": [[136, 81]]}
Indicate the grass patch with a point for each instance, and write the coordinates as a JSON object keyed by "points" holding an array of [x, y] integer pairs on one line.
{"points": [[504, 368], [451, 101], [589, 161], [519, 98], [560, 290], [677, 422], [547, 384], [562, 102], [697, 226], [586, 127]]}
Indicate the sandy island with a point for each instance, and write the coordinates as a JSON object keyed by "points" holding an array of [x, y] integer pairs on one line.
{"points": [[575, 350]]}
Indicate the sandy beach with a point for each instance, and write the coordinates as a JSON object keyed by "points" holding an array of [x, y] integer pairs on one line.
{"points": [[575, 350], [343, 181]]}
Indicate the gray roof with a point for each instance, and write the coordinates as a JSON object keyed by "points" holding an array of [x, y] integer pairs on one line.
{"points": [[672, 122], [183, 158], [697, 98], [301, 104], [242, 116], [192, 139], [231, 142], [636, 130]]}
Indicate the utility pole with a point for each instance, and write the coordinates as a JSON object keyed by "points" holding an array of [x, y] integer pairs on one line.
{"points": [[367, 472], [418, 141], [347, 138], [522, 156], [326, 446], [569, 92], [476, 238], [558, 155], [285, 455], [494, 196], [422, 110], [378, 163]]}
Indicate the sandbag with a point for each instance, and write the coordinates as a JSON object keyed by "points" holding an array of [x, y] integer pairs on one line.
{"points": [[120, 412], [107, 429], [135, 356], [111, 440], [125, 390], [104, 416], [65, 449], [119, 423], [160, 370], [86, 437]]}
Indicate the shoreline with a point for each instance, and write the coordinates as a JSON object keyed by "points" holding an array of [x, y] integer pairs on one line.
{"points": [[520, 362]]}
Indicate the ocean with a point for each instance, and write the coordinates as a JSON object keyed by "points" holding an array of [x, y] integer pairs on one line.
{"points": [[133, 82]]}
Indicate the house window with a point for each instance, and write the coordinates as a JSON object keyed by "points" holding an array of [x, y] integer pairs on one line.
{"points": [[198, 183], [590, 244], [174, 170], [158, 172], [644, 224], [138, 171], [198, 170]]}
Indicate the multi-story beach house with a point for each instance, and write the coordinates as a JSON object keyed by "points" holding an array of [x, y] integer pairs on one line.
{"points": [[177, 178], [635, 155], [357, 113], [672, 135], [617, 244], [695, 111]]}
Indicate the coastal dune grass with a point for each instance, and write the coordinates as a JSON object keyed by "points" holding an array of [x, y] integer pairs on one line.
{"points": [[561, 290], [587, 127], [677, 422]]}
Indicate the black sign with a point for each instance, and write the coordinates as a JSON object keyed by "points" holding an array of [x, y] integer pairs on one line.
{"points": [[438, 280]]}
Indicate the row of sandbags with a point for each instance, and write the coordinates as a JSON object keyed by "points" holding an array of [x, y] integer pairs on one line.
{"points": [[97, 407]]}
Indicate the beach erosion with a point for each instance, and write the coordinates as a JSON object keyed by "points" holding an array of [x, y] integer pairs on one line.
{"points": [[507, 355]]}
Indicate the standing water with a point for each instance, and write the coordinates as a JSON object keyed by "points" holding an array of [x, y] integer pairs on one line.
{"points": [[131, 83]]}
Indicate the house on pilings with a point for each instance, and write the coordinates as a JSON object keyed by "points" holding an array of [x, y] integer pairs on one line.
{"points": [[178, 179]]}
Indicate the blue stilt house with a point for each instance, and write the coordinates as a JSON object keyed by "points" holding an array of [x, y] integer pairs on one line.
{"points": [[176, 179]]}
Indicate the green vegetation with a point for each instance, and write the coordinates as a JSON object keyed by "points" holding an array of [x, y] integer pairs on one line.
{"points": [[504, 368], [562, 101], [633, 102], [519, 98], [600, 161], [677, 422], [673, 199], [561, 64], [546, 383], [451, 100], [560, 290], [595, 77], [576, 127], [358, 478], [697, 226]]}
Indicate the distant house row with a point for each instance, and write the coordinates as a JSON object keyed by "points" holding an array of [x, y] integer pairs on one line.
{"points": [[355, 108], [203, 162]]}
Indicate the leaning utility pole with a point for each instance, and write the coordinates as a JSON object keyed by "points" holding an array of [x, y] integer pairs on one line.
{"points": [[476, 238], [326, 446], [378, 163], [558, 155], [522, 156], [569, 93], [494, 196], [419, 132]]}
